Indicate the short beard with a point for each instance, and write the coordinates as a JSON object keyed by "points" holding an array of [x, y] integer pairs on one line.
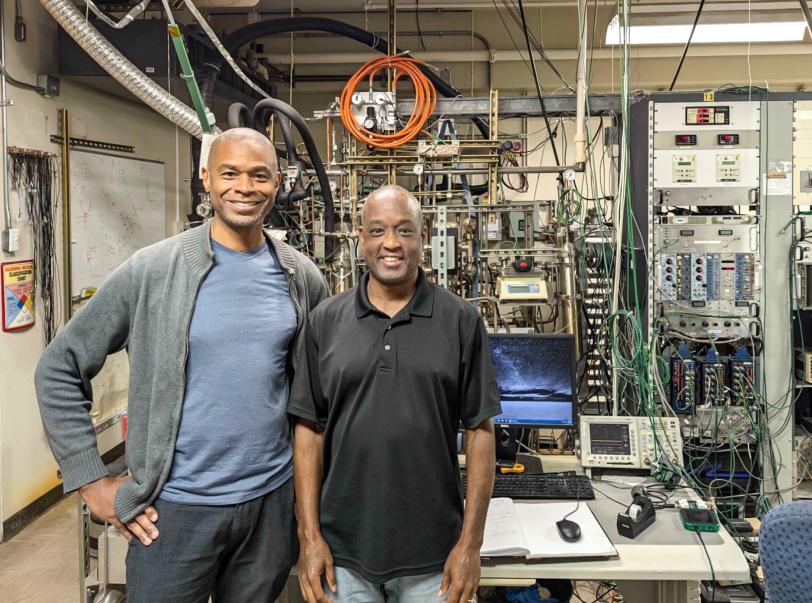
{"points": [[240, 225], [236, 222]]}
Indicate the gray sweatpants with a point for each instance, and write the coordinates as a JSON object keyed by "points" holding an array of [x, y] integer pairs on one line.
{"points": [[235, 553]]}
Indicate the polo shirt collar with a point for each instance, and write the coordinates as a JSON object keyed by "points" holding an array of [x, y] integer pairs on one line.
{"points": [[421, 304]]}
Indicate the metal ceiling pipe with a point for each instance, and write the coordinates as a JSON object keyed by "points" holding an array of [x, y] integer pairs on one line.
{"points": [[561, 54], [721, 6], [427, 34], [113, 62], [227, 3], [4, 111], [580, 103]]}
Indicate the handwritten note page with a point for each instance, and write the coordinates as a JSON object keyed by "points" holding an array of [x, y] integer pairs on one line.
{"points": [[503, 531]]}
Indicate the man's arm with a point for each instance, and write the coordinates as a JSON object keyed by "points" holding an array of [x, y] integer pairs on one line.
{"points": [[315, 558], [462, 568], [65, 397]]}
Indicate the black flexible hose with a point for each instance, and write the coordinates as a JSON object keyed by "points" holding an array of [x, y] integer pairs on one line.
{"points": [[18, 83], [261, 116], [239, 116], [239, 37], [283, 198], [296, 119]]}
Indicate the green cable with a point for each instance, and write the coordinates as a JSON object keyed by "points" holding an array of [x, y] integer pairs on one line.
{"points": [[188, 75], [186, 70]]}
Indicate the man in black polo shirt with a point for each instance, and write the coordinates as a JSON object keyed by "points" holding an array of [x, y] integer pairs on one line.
{"points": [[393, 368]]}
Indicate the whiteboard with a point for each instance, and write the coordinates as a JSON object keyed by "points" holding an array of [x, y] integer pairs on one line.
{"points": [[117, 206]]}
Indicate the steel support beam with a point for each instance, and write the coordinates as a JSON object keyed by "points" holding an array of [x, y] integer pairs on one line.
{"points": [[599, 104]]}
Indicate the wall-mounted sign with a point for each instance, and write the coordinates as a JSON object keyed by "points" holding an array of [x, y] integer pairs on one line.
{"points": [[18, 295]]}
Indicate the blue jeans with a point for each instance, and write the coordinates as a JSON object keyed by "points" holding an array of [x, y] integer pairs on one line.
{"points": [[351, 587]]}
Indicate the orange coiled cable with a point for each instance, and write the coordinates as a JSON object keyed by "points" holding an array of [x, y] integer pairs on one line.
{"points": [[424, 102]]}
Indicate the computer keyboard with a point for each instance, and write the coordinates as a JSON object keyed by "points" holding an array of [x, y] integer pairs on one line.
{"points": [[543, 485]]}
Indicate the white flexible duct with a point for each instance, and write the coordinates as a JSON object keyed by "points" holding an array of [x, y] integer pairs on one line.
{"points": [[117, 65]]}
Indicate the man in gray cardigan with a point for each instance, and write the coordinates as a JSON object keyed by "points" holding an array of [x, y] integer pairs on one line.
{"points": [[212, 323]]}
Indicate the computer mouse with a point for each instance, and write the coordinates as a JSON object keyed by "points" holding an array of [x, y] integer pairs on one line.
{"points": [[569, 530]]}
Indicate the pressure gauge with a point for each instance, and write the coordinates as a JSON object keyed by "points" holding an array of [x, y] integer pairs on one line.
{"points": [[203, 209], [569, 175], [418, 169]]}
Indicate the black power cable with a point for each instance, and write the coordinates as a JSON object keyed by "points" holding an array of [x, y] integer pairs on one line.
{"points": [[507, 30], [417, 20], [20, 29], [33, 178], [17, 83], [538, 91], [514, 14], [687, 44], [713, 573]]}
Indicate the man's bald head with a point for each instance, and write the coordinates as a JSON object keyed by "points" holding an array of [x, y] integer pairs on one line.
{"points": [[241, 136], [393, 192]]}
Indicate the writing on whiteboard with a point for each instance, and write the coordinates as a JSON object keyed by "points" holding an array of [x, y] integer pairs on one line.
{"points": [[118, 205]]}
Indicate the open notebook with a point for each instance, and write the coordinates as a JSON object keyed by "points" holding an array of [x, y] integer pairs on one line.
{"points": [[517, 529]]}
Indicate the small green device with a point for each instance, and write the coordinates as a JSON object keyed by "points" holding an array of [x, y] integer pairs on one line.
{"points": [[698, 519]]}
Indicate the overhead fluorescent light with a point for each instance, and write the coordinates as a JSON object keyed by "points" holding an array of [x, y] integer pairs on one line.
{"points": [[707, 33]]}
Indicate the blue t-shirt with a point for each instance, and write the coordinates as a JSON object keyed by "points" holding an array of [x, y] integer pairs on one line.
{"points": [[233, 441]]}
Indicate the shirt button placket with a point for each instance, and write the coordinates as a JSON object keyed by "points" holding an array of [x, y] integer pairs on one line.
{"points": [[387, 358]]}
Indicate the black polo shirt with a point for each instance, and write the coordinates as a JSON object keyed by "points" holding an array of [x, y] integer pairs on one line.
{"points": [[391, 394]]}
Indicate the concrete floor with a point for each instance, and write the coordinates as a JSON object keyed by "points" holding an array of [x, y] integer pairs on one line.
{"points": [[40, 564]]}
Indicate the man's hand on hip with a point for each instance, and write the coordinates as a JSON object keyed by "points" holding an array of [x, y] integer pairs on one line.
{"points": [[461, 574], [99, 496], [315, 560]]}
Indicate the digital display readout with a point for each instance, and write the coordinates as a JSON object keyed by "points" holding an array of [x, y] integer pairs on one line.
{"points": [[685, 140], [707, 116], [610, 438]]}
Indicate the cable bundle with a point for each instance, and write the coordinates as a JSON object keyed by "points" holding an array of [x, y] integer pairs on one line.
{"points": [[508, 158], [424, 102], [33, 177]]}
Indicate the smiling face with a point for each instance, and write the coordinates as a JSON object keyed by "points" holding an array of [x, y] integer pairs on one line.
{"points": [[391, 236], [242, 177]]}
